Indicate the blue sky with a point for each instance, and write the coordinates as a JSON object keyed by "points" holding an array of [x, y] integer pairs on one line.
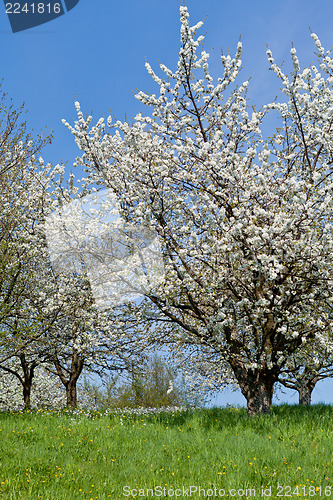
{"points": [[96, 53]]}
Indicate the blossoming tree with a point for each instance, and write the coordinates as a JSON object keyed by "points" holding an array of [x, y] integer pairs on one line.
{"points": [[45, 317], [245, 222], [84, 339], [24, 180], [46, 389], [305, 369]]}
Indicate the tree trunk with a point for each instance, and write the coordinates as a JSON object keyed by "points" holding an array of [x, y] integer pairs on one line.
{"points": [[304, 395], [305, 392], [70, 381], [27, 393], [28, 375], [259, 396], [256, 386], [71, 394]]}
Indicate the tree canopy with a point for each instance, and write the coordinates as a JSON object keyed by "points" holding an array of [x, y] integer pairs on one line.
{"points": [[244, 221]]}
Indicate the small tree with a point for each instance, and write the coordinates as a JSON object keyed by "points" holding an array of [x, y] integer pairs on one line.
{"points": [[46, 390], [26, 328], [305, 369], [83, 338], [154, 385], [245, 223], [24, 372]]}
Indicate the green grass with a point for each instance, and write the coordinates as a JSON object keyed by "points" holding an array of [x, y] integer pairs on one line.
{"points": [[68, 455]]}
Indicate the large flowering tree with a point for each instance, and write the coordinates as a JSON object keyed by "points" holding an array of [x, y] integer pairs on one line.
{"points": [[245, 222]]}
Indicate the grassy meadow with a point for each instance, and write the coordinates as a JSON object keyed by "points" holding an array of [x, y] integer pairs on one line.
{"points": [[80, 454]]}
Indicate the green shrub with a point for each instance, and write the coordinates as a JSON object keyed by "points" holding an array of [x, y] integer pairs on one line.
{"points": [[156, 385]]}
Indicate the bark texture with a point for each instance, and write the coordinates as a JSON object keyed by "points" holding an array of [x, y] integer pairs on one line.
{"points": [[28, 375], [305, 391], [26, 379], [256, 386], [304, 384], [304, 394], [70, 376], [71, 394]]}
